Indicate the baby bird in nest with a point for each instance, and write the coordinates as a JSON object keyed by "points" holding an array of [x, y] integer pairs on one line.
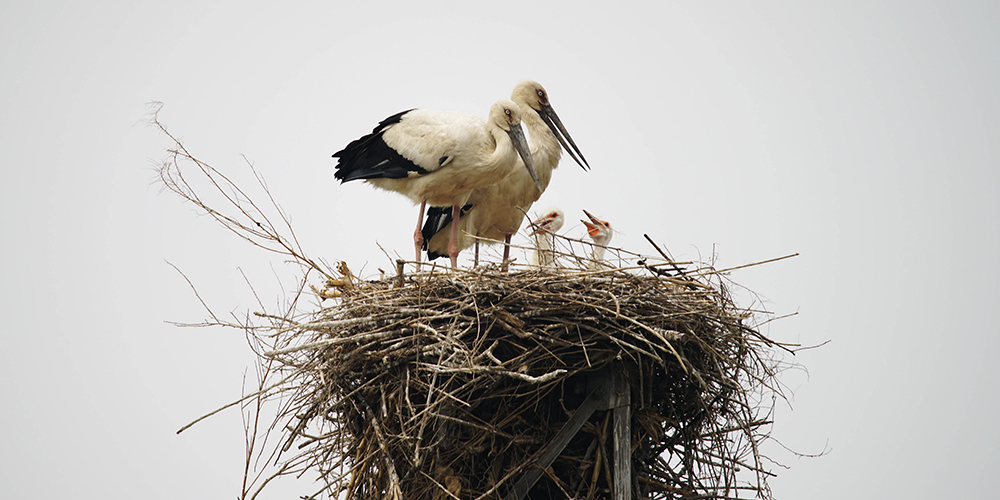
{"points": [[600, 231], [544, 231]]}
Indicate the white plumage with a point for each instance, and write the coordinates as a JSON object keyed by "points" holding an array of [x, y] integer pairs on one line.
{"points": [[497, 210], [543, 229], [600, 231], [439, 157]]}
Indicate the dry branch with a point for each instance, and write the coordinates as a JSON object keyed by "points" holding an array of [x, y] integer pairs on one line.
{"points": [[469, 375], [451, 385]]}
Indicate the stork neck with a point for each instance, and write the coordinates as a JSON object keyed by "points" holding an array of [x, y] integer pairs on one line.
{"points": [[597, 257], [543, 249], [503, 152], [598, 253], [543, 241]]}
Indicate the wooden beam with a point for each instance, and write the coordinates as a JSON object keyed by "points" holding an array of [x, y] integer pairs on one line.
{"points": [[557, 445], [608, 390], [622, 489]]}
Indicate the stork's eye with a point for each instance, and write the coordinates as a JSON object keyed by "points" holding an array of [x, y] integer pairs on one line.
{"points": [[553, 215], [506, 112], [540, 93]]}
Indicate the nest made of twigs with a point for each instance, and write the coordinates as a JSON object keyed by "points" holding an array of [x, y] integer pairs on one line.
{"points": [[450, 385]]}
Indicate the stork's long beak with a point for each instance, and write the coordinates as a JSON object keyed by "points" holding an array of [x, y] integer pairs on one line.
{"points": [[542, 224], [551, 119], [516, 134], [593, 225]]}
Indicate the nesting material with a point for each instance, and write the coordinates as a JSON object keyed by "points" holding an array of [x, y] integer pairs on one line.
{"points": [[459, 385], [453, 385]]}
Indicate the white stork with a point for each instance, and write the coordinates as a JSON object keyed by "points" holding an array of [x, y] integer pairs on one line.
{"points": [[497, 210], [439, 158], [544, 230], [599, 231]]}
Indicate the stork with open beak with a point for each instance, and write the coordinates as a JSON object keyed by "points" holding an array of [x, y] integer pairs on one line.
{"points": [[497, 211], [439, 158], [544, 231], [600, 231]]}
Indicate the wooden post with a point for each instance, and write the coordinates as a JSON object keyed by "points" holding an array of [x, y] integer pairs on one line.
{"points": [[608, 390], [599, 397], [622, 489]]}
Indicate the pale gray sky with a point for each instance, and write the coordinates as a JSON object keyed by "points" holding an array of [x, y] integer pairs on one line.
{"points": [[861, 135]]}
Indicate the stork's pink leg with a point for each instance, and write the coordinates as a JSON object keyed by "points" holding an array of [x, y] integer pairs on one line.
{"points": [[418, 238], [506, 252], [453, 244]]}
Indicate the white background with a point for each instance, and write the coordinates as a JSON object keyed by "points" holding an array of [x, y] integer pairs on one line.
{"points": [[861, 135]]}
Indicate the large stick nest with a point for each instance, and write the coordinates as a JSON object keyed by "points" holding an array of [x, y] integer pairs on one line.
{"points": [[451, 385]]}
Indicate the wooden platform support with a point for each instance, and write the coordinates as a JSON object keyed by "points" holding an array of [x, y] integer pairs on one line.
{"points": [[607, 389]]}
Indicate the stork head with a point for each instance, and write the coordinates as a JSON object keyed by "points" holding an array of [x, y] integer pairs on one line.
{"points": [[598, 230], [530, 94], [550, 222], [506, 116]]}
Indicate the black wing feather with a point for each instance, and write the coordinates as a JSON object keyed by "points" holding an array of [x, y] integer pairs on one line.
{"points": [[438, 218], [369, 157]]}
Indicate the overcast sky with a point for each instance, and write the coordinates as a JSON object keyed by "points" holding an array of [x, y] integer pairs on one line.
{"points": [[863, 136]]}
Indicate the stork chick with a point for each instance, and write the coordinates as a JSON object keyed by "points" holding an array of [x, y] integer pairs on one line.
{"points": [[600, 231], [544, 230]]}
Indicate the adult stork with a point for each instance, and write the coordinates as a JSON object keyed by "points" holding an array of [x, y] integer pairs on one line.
{"points": [[599, 231], [439, 158], [497, 210], [544, 230]]}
